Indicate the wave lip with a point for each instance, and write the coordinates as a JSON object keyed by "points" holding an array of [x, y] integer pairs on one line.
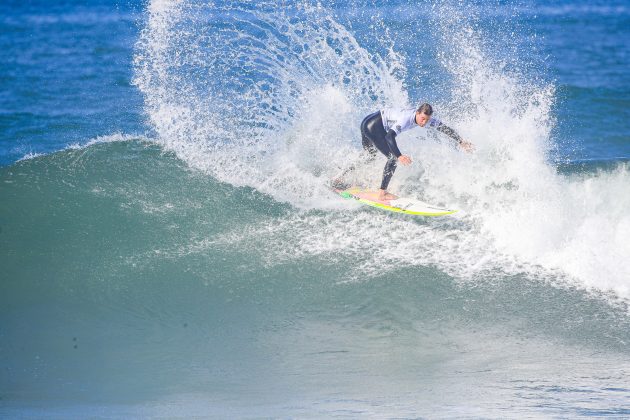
{"points": [[110, 138]]}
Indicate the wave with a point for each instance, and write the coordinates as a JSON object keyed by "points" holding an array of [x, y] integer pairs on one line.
{"points": [[272, 100], [130, 223], [147, 280]]}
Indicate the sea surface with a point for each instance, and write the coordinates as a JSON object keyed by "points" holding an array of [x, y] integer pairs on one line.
{"points": [[169, 247]]}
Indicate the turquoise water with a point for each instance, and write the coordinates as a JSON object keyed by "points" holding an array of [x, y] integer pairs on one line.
{"points": [[132, 301], [168, 247]]}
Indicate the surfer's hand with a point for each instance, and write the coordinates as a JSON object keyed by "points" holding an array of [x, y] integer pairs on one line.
{"points": [[404, 159], [467, 146]]}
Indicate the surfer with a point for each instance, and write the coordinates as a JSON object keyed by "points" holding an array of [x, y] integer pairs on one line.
{"points": [[379, 131]]}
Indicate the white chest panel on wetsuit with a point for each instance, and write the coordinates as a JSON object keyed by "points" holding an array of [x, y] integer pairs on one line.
{"points": [[401, 120]]}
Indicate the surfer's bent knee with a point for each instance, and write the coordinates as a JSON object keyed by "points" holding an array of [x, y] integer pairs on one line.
{"points": [[373, 134]]}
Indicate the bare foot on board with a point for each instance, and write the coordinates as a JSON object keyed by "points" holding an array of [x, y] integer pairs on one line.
{"points": [[384, 195]]}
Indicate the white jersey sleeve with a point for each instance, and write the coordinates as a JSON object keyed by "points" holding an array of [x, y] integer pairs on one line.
{"points": [[433, 123]]}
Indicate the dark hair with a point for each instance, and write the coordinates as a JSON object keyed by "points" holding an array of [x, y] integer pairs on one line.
{"points": [[425, 108]]}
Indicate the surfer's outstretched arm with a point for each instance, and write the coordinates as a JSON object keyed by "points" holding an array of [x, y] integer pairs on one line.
{"points": [[463, 144]]}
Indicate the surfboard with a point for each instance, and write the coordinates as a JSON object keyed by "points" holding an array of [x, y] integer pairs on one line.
{"points": [[398, 205]]}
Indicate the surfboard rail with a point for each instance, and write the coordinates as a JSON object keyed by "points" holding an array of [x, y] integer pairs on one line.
{"points": [[397, 205]]}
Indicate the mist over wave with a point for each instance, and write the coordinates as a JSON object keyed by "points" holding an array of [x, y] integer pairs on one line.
{"points": [[257, 95], [271, 98]]}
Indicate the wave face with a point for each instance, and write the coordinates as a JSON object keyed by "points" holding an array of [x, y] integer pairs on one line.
{"points": [[205, 270], [136, 286]]}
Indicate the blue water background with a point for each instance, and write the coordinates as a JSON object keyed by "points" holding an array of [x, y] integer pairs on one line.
{"points": [[66, 69]]}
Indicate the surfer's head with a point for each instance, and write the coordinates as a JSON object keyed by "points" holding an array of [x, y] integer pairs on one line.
{"points": [[423, 114]]}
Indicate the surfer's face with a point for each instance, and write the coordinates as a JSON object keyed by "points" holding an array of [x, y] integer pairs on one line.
{"points": [[422, 119]]}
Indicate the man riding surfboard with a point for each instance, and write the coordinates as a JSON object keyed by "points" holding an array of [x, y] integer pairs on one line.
{"points": [[379, 131]]}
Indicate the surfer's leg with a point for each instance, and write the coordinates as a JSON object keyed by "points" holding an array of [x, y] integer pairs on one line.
{"points": [[373, 135], [388, 172], [374, 132], [369, 150], [370, 135]]}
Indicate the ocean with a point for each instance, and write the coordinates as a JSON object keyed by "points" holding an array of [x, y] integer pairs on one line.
{"points": [[169, 247]]}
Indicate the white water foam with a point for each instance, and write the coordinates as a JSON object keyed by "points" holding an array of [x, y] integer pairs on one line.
{"points": [[30, 155], [272, 99], [258, 96], [109, 138]]}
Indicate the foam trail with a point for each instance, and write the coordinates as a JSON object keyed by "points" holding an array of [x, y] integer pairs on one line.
{"points": [[258, 96]]}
